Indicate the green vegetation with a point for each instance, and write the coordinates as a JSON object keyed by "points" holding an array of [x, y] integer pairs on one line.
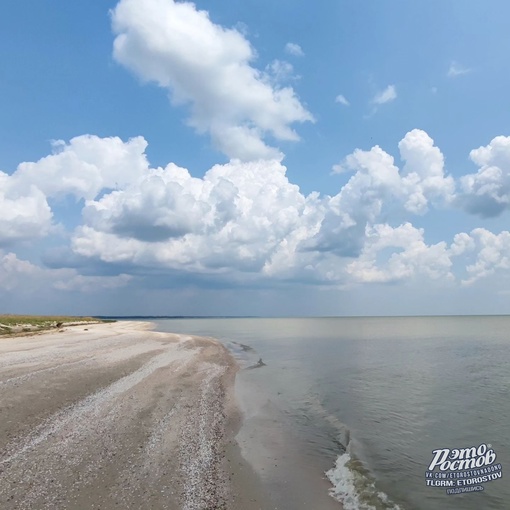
{"points": [[13, 324]]}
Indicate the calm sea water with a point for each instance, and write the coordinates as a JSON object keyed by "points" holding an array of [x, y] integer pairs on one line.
{"points": [[367, 400]]}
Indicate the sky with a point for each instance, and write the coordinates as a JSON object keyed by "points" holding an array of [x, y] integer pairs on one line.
{"points": [[254, 158]]}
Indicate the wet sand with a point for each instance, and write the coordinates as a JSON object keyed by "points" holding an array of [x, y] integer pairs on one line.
{"points": [[291, 477], [118, 416]]}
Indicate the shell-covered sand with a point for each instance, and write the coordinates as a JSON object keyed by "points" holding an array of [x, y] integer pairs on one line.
{"points": [[117, 416]]}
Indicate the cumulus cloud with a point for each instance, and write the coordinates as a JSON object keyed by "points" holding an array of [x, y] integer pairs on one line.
{"points": [[456, 69], [491, 253], [24, 211], [379, 187], [375, 181], [245, 221], [481, 254], [342, 100], [236, 218], [377, 178], [423, 177], [247, 216], [294, 49], [178, 47], [487, 193], [462, 244], [385, 96], [165, 203], [85, 166], [409, 256]]}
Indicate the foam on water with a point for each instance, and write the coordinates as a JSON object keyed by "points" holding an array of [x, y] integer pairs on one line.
{"points": [[354, 487], [352, 483]]}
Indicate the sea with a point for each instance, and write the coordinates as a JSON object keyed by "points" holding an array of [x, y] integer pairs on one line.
{"points": [[355, 408]]}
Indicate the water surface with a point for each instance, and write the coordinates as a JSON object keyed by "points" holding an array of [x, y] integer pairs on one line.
{"points": [[368, 399]]}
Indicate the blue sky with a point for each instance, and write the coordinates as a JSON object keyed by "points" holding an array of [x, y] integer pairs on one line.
{"points": [[273, 158]]}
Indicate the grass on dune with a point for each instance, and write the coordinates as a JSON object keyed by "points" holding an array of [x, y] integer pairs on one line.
{"points": [[26, 323]]}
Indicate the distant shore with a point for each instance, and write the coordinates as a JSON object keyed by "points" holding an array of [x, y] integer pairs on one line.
{"points": [[118, 416]]}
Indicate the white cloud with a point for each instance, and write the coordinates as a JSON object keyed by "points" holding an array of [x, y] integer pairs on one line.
{"points": [[24, 211], [420, 181], [248, 218], [342, 100], [234, 219], [85, 166], [164, 204], [423, 177], [181, 49], [462, 244], [456, 69], [294, 49], [487, 193], [245, 221], [385, 96], [379, 188], [481, 254], [375, 182], [409, 256], [492, 253]]}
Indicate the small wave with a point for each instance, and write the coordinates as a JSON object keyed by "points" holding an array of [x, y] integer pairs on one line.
{"points": [[354, 487], [259, 364], [244, 347], [352, 483], [246, 356], [342, 436]]}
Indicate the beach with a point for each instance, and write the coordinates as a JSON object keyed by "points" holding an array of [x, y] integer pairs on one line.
{"points": [[270, 414], [118, 416]]}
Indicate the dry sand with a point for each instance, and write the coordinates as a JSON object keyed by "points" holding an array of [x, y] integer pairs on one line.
{"points": [[117, 416]]}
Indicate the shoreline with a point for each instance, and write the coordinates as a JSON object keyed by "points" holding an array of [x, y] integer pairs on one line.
{"points": [[289, 475], [289, 469], [117, 414]]}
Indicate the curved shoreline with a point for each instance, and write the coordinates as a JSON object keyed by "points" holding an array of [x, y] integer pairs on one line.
{"points": [[118, 415]]}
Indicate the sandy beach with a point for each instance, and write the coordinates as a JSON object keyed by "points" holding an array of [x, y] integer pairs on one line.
{"points": [[117, 416]]}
